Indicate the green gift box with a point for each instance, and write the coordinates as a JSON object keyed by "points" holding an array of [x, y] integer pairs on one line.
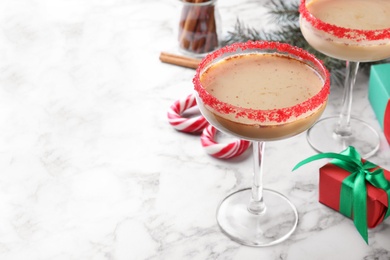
{"points": [[379, 95]]}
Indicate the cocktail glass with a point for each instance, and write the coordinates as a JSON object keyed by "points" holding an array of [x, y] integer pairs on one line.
{"points": [[354, 42], [256, 216]]}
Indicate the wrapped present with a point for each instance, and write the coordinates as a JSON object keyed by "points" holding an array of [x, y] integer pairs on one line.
{"points": [[356, 188], [379, 95], [333, 177]]}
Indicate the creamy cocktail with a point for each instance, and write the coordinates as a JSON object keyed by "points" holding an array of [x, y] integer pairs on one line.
{"points": [[366, 18], [354, 31], [268, 82], [260, 91]]}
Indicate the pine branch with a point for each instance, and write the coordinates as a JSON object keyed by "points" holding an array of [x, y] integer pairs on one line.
{"points": [[280, 11], [241, 33]]}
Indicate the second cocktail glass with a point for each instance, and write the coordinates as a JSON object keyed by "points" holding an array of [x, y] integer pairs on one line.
{"points": [[260, 91], [354, 31]]}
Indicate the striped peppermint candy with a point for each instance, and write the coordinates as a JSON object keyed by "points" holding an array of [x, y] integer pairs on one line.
{"points": [[188, 125], [221, 151]]}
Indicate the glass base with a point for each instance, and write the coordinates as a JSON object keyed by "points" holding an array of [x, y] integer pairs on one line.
{"points": [[273, 226], [322, 137]]}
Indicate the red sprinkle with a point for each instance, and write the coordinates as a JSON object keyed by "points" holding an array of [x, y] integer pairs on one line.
{"points": [[276, 115]]}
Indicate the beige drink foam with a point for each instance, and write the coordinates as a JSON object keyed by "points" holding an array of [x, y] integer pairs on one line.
{"points": [[263, 82], [354, 14]]}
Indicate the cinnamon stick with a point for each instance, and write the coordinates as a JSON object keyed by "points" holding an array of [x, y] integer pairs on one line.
{"points": [[182, 21], [198, 37], [179, 60], [211, 33], [189, 26]]}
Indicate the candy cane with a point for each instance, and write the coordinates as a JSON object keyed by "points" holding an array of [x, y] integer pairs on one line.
{"points": [[219, 150], [188, 125]]}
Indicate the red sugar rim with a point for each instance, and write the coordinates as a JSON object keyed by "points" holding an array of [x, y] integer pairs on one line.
{"points": [[342, 32], [276, 115]]}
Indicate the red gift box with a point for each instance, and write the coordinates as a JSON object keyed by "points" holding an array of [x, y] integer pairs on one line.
{"points": [[331, 178], [354, 187]]}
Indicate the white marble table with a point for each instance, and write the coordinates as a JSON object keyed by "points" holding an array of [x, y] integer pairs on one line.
{"points": [[90, 167]]}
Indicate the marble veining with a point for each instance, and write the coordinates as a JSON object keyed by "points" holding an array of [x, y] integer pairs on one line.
{"points": [[90, 167]]}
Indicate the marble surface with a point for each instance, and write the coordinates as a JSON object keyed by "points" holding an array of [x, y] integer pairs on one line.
{"points": [[90, 167]]}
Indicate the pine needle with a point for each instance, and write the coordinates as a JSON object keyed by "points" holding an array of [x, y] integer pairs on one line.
{"points": [[281, 12]]}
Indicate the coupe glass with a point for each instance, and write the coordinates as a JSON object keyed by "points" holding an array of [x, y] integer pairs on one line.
{"points": [[354, 31], [256, 216]]}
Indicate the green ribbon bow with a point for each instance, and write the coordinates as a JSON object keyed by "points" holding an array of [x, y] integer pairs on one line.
{"points": [[353, 202]]}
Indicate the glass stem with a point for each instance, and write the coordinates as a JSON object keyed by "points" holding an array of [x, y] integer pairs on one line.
{"points": [[256, 204], [344, 128]]}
